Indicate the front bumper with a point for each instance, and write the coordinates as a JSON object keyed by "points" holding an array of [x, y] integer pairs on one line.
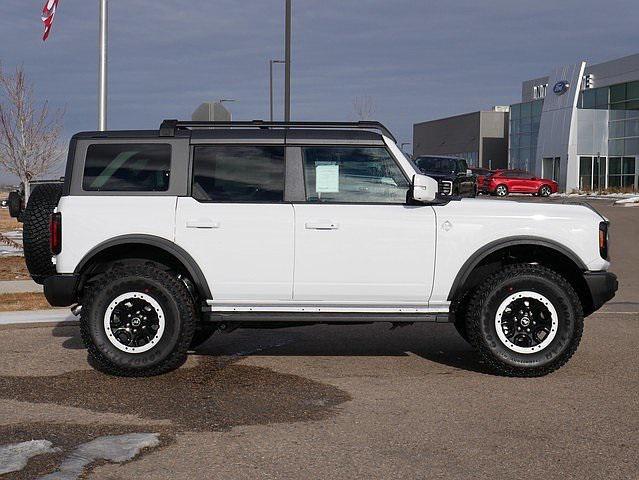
{"points": [[61, 290], [602, 286]]}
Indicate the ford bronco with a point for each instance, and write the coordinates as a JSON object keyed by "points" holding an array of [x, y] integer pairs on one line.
{"points": [[160, 238]]}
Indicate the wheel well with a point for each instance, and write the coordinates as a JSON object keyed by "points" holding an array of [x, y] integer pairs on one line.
{"points": [[95, 264], [525, 253]]}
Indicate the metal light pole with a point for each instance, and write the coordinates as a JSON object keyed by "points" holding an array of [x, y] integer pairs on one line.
{"points": [[270, 65], [102, 76], [287, 81]]}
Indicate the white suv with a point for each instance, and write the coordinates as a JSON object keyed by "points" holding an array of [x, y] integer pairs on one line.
{"points": [[162, 237]]}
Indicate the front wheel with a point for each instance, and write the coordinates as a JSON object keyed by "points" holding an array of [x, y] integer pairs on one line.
{"points": [[525, 321], [545, 191], [137, 320]]}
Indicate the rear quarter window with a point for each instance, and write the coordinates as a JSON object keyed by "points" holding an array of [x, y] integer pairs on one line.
{"points": [[130, 167]]}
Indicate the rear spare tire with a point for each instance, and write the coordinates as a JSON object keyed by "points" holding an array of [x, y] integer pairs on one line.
{"points": [[35, 234]]}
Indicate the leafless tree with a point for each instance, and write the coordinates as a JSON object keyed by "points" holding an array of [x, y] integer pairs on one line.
{"points": [[364, 107], [29, 132]]}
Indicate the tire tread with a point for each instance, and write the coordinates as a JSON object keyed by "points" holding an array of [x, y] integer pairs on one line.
{"points": [[474, 317], [182, 297]]}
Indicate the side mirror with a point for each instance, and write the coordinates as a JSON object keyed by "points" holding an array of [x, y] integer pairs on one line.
{"points": [[424, 189]]}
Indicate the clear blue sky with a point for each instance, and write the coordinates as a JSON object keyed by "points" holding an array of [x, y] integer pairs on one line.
{"points": [[419, 60]]}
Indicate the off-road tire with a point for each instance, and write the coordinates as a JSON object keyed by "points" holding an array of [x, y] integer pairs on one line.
{"points": [[480, 320], [35, 234], [165, 288]]}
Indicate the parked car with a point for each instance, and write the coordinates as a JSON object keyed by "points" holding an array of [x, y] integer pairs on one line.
{"points": [[452, 174], [481, 174], [161, 238], [503, 182]]}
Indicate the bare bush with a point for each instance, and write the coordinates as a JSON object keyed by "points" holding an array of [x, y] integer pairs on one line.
{"points": [[29, 132]]}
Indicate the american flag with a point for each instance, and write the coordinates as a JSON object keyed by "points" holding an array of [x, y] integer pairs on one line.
{"points": [[48, 14]]}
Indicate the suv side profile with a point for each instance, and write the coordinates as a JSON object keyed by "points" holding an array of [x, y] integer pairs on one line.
{"points": [[452, 174], [162, 237], [503, 182]]}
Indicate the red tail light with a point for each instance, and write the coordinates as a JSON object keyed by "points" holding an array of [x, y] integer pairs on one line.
{"points": [[55, 231]]}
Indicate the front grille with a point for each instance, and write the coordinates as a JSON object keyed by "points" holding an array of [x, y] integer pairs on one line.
{"points": [[445, 187]]}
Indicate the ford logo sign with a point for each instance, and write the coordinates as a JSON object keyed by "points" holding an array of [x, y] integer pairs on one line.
{"points": [[561, 87]]}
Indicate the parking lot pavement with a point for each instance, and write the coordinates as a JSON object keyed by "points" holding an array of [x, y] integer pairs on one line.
{"points": [[333, 402], [340, 402]]}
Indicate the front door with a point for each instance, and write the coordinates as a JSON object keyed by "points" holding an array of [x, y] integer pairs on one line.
{"points": [[235, 224], [356, 239]]}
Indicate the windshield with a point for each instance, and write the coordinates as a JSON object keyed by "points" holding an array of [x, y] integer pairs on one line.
{"points": [[437, 164]]}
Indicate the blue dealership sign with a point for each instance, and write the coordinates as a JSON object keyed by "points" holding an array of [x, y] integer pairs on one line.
{"points": [[561, 87]]}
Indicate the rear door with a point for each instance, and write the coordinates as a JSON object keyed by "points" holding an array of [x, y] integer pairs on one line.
{"points": [[235, 223], [356, 239]]}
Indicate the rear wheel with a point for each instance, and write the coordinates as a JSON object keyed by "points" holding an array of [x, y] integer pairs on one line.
{"points": [[545, 191], [525, 321], [501, 190], [35, 234], [137, 320]]}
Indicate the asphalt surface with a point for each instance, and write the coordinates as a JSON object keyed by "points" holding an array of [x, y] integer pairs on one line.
{"points": [[342, 401]]}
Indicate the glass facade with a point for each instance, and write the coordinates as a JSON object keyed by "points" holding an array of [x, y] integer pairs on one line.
{"points": [[524, 130], [622, 103]]}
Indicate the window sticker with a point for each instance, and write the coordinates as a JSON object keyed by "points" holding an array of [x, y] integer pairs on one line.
{"points": [[326, 177]]}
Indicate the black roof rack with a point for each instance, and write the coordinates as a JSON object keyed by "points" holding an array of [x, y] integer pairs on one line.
{"points": [[169, 127]]}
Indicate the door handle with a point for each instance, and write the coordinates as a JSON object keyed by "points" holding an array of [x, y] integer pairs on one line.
{"points": [[321, 225], [202, 223]]}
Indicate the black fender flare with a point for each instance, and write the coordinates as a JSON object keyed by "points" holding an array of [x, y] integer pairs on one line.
{"points": [[168, 246], [477, 257]]}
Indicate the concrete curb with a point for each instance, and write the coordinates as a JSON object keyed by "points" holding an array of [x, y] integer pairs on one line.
{"points": [[39, 317], [19, 286]]}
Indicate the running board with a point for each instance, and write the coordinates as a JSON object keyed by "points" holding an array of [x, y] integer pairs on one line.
{"points": [[318, 317]]}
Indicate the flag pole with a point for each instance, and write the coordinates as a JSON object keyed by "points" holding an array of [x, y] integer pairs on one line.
{"points": [[102, 76]]}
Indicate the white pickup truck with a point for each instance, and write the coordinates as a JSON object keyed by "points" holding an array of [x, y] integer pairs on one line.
{"points": [[159, 238]]}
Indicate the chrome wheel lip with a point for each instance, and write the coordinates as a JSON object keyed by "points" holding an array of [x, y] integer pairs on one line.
{"points": [[554, 326], [128, 296]]}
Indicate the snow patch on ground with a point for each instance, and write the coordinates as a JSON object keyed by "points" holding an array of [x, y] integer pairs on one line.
{"points": [[14, 457], [113, 448], [594, 196], [8, 251], [632, 201]]}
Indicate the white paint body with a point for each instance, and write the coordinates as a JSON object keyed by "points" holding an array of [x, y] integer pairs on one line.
{"points": [[322, 257]]}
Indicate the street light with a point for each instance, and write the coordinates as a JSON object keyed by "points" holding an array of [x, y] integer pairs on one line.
{"points": [[270, 65], [287, 54]]}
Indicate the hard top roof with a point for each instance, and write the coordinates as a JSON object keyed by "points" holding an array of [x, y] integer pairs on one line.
{"points": [[257, 130]]}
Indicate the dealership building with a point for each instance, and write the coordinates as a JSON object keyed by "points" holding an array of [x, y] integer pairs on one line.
{"points": [[578, 125]]}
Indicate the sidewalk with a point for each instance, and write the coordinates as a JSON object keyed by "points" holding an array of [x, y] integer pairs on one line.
{"points": [[19, 286]]}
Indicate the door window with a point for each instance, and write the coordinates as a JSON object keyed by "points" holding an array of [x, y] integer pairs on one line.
{"points": [[238, 173], [353, 175]]}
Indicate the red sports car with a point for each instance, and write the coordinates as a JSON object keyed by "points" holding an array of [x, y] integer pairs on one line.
{"points": [[503, 182]]}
